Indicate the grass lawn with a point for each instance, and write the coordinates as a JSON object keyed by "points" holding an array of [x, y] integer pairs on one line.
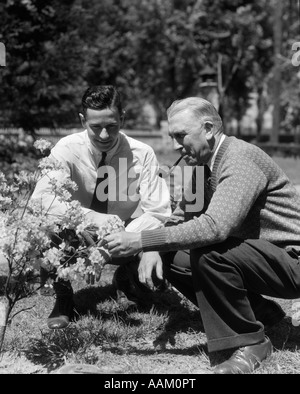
{"points": [[162, 335], [290, 166]]}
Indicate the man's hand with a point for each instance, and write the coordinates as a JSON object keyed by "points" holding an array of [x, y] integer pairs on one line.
{"points": [[150, 261], [123, 244]]}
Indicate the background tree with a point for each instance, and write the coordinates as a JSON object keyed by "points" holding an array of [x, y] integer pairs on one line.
{"points": [[43, 76], [290, 83], [154, 50]]}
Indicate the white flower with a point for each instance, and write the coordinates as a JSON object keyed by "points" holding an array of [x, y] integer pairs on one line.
{"points": [[25, 226], [42, 145]]}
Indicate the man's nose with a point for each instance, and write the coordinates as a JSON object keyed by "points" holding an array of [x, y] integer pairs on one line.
{"points": [[104, 134], [177, 146]]}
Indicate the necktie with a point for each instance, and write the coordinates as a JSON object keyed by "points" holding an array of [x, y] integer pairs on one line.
{"points": [[100, 204], [207, 178], [207, 175], [208, 191]]}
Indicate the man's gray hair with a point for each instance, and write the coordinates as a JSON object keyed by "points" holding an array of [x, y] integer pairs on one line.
{"points": [[203, 109]]}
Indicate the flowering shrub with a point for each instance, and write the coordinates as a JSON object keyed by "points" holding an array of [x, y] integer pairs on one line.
{"points": [[79, 252], [27, 231], [70, 246]]}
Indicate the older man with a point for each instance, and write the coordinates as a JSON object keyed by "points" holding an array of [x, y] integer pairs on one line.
{"points": [[244, 244]]}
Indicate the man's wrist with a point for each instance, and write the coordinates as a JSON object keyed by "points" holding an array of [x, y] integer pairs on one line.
{"points": [[152, 240], [140, 246]]}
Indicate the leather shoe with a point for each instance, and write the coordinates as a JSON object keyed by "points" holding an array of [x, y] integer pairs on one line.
{"points": [[63, 310], [246, 360], [269, 313]]}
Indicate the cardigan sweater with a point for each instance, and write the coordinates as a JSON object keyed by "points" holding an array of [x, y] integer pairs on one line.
{"points": [[250, 197]]}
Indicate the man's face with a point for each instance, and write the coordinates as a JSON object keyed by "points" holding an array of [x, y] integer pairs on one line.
{"points": [[103, 127], [190, 137]]}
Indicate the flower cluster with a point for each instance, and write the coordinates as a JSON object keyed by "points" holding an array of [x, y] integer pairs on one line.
{"points": [[80, 251], [70, 246]]}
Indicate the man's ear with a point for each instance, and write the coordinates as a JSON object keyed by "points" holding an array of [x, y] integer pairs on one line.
{"points": [[122, 118], [82, 119], [209, 130]]}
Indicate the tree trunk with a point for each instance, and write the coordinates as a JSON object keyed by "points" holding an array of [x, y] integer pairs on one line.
{"points": [[4, 308], [260, 115]]}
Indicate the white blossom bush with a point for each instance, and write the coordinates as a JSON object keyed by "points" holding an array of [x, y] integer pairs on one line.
{"points": [[30, 237]]}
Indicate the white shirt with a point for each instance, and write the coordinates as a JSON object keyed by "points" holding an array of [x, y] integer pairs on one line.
{"points": [[213, 158], [136, 190]]}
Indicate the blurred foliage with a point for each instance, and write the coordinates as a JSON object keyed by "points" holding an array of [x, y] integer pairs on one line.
{"points": [[17, 154], [153, 50], [290, 96], [43, 80]]}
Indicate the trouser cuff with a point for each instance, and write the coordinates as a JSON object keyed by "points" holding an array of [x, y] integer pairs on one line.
{"points": [[236, 341]]}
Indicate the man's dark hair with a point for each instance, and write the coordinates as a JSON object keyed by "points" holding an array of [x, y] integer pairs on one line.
{"points": [[101, 97]]}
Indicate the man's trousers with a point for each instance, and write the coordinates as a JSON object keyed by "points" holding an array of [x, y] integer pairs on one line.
{"points": [[226, 281]]}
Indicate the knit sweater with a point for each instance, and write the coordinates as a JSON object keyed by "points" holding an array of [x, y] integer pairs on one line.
{"points": [[251, 198]]}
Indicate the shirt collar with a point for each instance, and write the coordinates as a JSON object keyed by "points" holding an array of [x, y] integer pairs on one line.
{"points": [[213, 158], [97, 154]]}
